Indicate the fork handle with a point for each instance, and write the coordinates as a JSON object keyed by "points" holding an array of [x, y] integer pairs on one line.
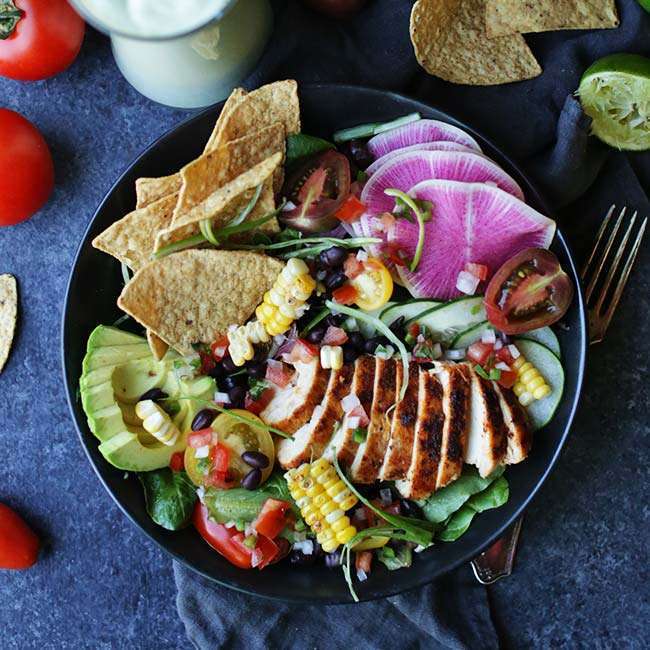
{"points": [[497, 562]]}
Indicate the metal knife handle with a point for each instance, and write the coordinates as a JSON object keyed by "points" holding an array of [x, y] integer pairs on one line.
{"points": [[498, 560]]}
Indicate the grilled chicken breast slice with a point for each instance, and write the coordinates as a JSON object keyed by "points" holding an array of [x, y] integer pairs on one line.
{"points": [[427, 444], [311, 439], [370, 453], [400, 445], [455, 380], [293, 405], [488, 435], [520, 438], [343, 445]]}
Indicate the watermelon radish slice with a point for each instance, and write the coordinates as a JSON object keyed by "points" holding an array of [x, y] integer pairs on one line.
{"points": [[418, 133], [472, 222], [440, 145], [409, 169]]}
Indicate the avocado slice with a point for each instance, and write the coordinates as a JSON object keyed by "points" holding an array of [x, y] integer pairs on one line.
{"points": [[131, 381], [112, 355], [105, 373], [103, 335], [125, 451]]}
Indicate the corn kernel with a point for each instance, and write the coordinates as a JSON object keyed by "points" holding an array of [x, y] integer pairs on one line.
{"points": [[332, 545], [530, 384], [319, 467], [542, 391], [157, 422], [341, 524], [346, 535], [330, 506], [348, 503]]}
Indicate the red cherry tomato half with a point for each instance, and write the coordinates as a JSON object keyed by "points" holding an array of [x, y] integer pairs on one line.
{"points": [[529, 291], [18, 543], [43, 39], [26, 168]]}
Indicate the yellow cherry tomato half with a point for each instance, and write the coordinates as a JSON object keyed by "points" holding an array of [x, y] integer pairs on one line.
{"points": [[374, 285]]}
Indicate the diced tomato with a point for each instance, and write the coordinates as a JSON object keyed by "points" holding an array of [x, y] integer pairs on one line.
{"points": [[360, 412], [256, 406], [208, 364], [387, 222], [363, 561], [480, 353], [200, 438], [479, 271], [414, 329], [508, 378], [303, 351], [277, 373], [177, 461], [272, 518], [394, 255], [221, 480], [504, 354], [265, 551], [334, 336], [220, 457], [350, 210], [352, 267], [219, 348], [345, 295]]}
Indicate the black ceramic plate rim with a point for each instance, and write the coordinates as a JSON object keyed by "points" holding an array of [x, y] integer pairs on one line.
{"points": [[468, 555]]}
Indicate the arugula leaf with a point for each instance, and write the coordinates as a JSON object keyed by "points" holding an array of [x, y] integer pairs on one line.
{"points": [[169, 497], [288, 234], [300, 145], [392, 560]]}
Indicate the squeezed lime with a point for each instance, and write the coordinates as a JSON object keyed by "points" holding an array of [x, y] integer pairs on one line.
{"points": [[615, 93]]}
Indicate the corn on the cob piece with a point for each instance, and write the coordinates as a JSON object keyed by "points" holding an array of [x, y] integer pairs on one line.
{"points": [[285, 301], [241, 340], [157, 422], [323, 499], [331, 357], [530, 384]]}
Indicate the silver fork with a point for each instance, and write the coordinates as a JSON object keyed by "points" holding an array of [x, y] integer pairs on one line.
{"points": [[498, 560]]}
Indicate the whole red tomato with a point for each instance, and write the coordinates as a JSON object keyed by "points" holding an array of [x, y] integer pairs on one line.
{"points": [[38, 38], [26, 168], [336, 8], [18, 543]]}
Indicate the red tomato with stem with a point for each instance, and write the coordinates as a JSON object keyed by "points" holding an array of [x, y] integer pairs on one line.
{"points": [[26, 168], [41, 39], [18, 543]]}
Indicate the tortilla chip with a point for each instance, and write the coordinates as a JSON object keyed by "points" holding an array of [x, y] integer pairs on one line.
{"points": [[157, 346], [150, 190], [195, 295], [276, 102], [235, 97], [8, 315], [451, 42], [132, 239], [524, 16], [227, 202], [213, 170]]}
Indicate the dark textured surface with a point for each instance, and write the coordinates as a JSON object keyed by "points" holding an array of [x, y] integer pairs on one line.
{"points": [[581, 577]]}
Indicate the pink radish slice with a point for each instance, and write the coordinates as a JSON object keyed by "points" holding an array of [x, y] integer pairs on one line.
{"points": [[409, 169], [472, 222], [440, 145], [418, 133]]}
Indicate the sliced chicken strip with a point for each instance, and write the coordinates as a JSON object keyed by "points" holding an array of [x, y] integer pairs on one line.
{"points": [[309, 442], [422, 474], [455, 380], [370, 454], [402, 431], [488, 435], [520, 437], [343, 444], [293, 405]]}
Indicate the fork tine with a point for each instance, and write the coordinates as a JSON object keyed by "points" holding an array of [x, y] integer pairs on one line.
{"points": [[625, 274], [603, 258], [599, 236], [614, 265]]}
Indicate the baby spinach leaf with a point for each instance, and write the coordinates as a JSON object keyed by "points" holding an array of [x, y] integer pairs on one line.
{"points": [[300, 145], [169, 497]]}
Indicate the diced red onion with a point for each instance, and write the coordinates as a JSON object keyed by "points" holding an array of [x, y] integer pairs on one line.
{"points": [[362, 575], [353, 422], [349, 402], [202, 452], [514, 351], [386, 496], [456, 354], [221, 398], [306, 546], [498, 344], [467, 283], [502, 366], [362, 256], [489, 336], [288, 206]]}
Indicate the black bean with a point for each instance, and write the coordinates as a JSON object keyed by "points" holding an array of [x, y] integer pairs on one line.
{"points": [[252, 480], [397, 327], [255, 459], [333, 560], [371, 344], [154, 394], [350, 352], [233, 381], [203, 419], [299, 558], [316, 335], [356, 339], [411, 509], [335, 320], [256, 369], [335, 280], [321, 274], [333, 257], [359, 153], [236, 396], [228, 365]]}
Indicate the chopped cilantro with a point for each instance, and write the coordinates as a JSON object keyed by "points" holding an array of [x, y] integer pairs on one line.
{"points": [[256, 387], [359, 434], [495, 374], [481, 372]]}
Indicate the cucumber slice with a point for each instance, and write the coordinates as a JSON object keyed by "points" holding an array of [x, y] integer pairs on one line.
{"points": [[446, 321], [407, 310], [546, 336], [470, 335], [542, 411]]}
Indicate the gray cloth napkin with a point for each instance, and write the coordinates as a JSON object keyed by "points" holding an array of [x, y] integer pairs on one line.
{"points": [[541, 125]]}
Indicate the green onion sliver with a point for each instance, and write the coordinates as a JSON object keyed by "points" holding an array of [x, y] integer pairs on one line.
{"points": [[374, 128], [383, 329], [206, 230], [323, 313], [195, 240], [351, 242], [405, 198], [228, 231], [249, 206], [125, 273]]}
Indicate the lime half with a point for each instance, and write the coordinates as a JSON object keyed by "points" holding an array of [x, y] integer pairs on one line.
{"points": [[615, 93]]}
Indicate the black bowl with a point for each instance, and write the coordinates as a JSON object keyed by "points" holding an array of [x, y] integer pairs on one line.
{"points": [[96, 281]]}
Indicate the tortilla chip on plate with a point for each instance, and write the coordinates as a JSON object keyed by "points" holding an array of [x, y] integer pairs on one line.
{"points": [[8, 315], [524, 16], [275, 102], [213, 170], [223, 205], [132, 239], [235, 97], [157, 346], [194, 296], [150, 190], [451, 42]]}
